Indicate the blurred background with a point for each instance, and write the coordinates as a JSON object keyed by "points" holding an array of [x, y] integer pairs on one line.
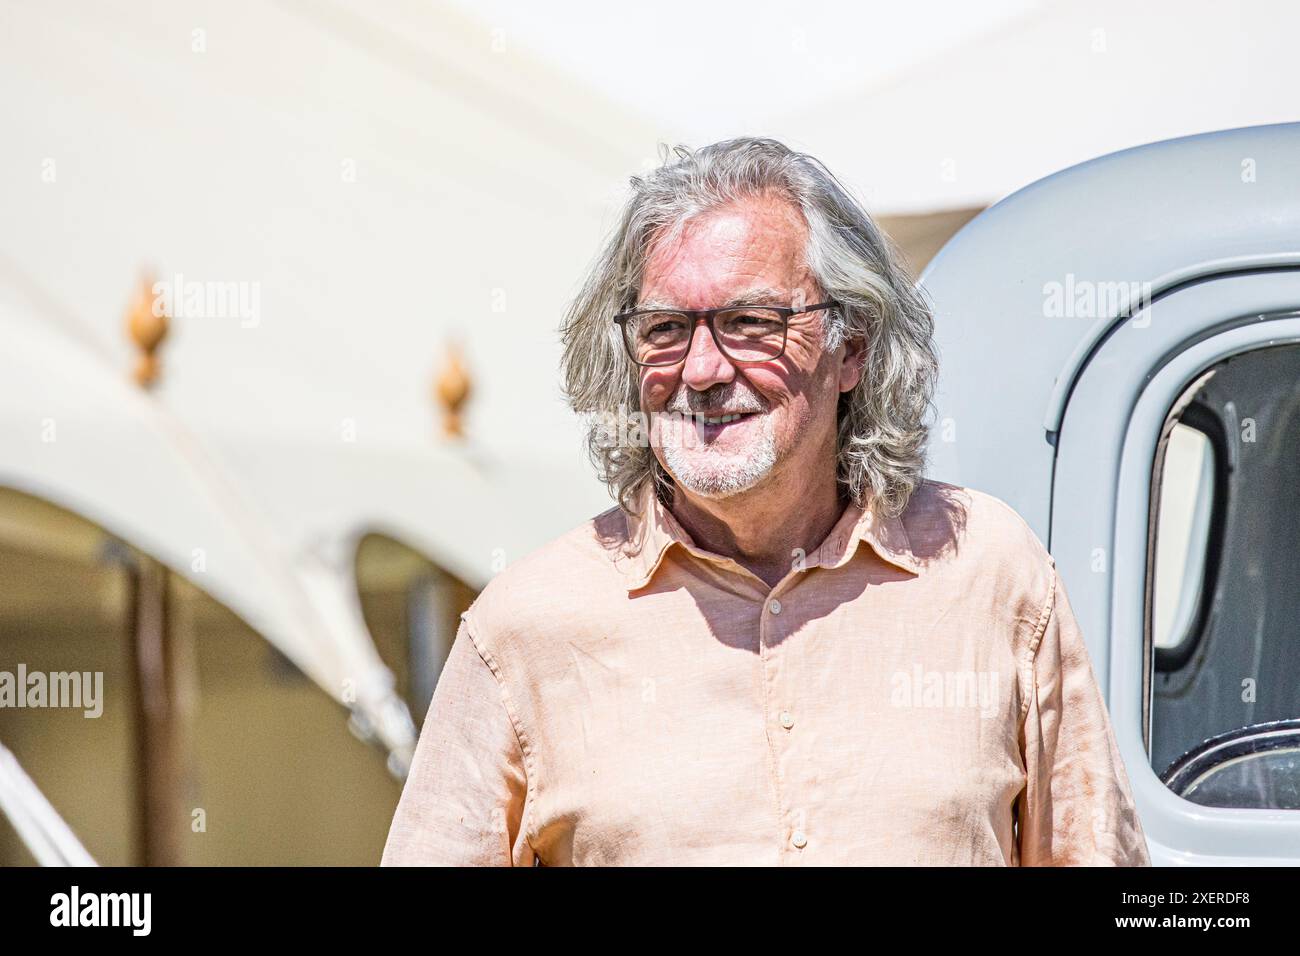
{"points": [[279, 291]]}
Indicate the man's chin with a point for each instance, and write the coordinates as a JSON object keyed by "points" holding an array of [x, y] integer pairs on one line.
{"points": [[714, 491], [715, 480]]}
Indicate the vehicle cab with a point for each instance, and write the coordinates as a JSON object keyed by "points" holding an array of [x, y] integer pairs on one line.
{"points": [[1120, 362]]}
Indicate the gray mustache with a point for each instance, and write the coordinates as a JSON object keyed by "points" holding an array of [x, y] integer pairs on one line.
{"points": [[688, 401]]}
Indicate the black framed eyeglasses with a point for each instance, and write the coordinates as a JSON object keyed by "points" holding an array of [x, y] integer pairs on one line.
{"points": [[743, 333]]}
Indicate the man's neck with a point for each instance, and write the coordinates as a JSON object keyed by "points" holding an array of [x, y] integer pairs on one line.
{"points": [[764, 529]]}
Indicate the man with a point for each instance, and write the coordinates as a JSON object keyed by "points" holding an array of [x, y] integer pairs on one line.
{"points": [[784, 646]]}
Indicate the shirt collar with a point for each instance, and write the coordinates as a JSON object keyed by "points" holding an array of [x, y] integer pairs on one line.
{"points": [[651, 532]]}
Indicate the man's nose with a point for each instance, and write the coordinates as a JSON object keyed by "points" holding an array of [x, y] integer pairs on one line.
{"points": [[705, 365]]}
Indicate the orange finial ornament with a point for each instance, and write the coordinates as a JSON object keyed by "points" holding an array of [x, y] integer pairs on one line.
{"points": [[147, 323], [451, 391]]}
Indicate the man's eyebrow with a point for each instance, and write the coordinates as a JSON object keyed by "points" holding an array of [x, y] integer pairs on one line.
{"points": [[763, 295], [759, 295]]}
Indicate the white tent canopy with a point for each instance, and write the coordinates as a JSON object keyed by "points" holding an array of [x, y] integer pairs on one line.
{"points": [[373, 191], [77, 435]]}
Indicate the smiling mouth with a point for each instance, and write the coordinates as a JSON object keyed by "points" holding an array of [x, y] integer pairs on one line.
{"points": [[713, 425]]}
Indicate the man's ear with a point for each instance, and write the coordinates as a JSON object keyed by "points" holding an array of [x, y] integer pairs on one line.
{"points": [[853, 363]]}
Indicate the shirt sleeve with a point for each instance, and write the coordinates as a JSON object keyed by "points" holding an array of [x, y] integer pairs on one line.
{"points": [[464, 799], [1076, 808]]}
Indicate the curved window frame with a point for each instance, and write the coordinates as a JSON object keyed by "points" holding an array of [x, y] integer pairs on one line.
{"points": [[1104, 454], [1200, 419]]}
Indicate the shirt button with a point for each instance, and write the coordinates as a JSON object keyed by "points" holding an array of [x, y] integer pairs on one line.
{"points": [[787, 719], [799, 839], [774, 606]]}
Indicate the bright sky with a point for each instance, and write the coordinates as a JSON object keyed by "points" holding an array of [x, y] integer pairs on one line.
{"points": [[695, 66]]}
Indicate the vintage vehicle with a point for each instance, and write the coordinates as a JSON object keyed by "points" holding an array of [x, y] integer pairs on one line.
{"points": [[1120, 348]]}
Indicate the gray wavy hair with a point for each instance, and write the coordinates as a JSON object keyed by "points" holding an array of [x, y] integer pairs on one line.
{"points": [[882, 422]]}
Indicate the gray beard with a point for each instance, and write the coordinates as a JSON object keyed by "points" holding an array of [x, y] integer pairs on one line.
{"points": [[715, 474]]}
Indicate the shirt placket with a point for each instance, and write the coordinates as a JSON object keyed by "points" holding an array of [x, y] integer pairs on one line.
{"points": [[778, 619]]}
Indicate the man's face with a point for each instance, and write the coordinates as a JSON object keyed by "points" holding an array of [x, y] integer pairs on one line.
{"points": [[750, 251]]}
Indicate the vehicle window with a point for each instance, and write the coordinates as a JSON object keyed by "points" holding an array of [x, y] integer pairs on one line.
{"points": [[1186, 499], [1224, 585]]}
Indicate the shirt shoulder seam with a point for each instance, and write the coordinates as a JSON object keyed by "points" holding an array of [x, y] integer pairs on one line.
{"points": [[1036, 639], [521, 735]]}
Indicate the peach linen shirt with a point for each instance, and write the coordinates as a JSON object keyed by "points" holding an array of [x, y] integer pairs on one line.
{"points": [[915, 691]]}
